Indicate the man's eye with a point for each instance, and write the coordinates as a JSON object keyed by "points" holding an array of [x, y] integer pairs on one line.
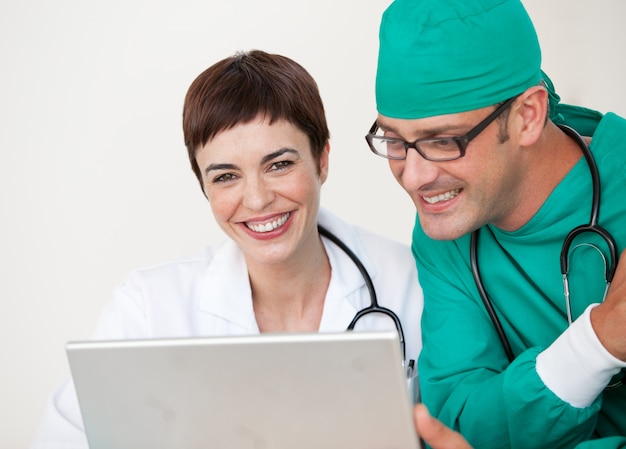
{"points": [[395, 143], [444, 143]]}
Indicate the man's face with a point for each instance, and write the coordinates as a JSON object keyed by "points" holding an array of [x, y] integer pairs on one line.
{"points": [[455, 197]]}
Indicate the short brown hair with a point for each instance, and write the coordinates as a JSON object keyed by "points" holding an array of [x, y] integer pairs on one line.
{"points": [[238, 88]]}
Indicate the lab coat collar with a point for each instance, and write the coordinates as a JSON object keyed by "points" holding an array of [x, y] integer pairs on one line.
{"points": [[226, 287], [342, 265]]}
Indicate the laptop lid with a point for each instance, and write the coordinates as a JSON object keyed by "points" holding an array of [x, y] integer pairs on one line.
{"points": [[269, 391]]}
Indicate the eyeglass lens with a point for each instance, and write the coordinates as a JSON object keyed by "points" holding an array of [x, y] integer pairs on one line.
{"points": [[435, 149]]}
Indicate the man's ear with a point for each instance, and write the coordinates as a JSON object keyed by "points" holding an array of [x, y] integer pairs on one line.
{"points": [[532, 112]]}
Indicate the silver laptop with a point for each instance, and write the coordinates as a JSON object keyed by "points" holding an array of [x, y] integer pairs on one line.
{"points": [[271, 391]]}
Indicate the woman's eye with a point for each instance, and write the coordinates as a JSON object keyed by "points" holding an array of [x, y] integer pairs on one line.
{"points": [[226, 177], [280, 165]]}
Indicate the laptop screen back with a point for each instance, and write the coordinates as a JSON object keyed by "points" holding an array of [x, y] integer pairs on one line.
{"points": [[270, 391]]}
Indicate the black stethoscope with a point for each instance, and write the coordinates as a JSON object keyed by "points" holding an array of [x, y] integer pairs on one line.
{"points": [[373, 307], [592, 227]]}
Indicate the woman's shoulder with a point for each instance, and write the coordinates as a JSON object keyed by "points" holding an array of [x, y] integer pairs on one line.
{"points": [[185, 267]]}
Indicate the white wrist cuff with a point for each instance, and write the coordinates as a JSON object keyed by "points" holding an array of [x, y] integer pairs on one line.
{"points": [[576, 367]]}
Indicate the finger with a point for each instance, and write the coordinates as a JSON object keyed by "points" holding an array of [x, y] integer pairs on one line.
{"points": [[435, 433]]}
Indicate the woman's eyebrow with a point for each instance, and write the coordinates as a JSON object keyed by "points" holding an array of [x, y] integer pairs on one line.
{"points": [[220, 167], [265, 159], [278, 153]]}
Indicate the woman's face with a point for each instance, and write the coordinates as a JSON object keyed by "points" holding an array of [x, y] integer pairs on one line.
{"points": [[264, 185]]}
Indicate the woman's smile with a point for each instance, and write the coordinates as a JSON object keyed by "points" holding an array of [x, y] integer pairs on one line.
{"points": [[269, 225]]}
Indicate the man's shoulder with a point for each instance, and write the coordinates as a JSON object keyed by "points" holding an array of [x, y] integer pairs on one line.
{"points": [[611, 123]]}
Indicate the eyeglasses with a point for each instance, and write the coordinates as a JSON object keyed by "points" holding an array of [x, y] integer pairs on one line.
{"points": [[436, 149]]}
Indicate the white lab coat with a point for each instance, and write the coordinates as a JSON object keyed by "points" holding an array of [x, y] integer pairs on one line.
{"points": [[209, 295]]}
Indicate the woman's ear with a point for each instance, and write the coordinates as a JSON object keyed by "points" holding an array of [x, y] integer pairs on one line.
{"points": [[324, 162], [201, 182], [532, 111]]}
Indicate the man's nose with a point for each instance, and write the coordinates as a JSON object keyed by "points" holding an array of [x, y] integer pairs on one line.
{"points": [[417, 171]]}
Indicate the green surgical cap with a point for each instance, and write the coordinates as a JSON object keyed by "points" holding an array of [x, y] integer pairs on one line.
{"points": [[448, 56]]}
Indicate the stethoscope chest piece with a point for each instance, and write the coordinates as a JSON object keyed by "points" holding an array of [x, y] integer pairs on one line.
{"points": [[570, 244]]}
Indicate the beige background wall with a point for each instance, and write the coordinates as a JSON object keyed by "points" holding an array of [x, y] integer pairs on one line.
{"points": [[94, 179]]}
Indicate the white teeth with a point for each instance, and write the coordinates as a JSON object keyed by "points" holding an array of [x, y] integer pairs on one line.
{"points": [[267, 227], [443, 197]]}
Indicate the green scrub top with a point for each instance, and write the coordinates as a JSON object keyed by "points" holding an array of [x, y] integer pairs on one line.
{"points": [[465, 376]]}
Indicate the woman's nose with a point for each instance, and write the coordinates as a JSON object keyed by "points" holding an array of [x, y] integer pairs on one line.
{"points": [[257, 194]]}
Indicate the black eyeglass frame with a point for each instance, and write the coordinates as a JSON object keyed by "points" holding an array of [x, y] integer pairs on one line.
{"points": [[461, 141]]}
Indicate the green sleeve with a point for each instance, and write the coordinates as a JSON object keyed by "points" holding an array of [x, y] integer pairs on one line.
{"points": [[464, 377], [604, 443]]}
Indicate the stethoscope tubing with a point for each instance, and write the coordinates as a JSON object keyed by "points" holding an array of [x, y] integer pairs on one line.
{"points": [[373, 307], [482, 291], [592, 226]]}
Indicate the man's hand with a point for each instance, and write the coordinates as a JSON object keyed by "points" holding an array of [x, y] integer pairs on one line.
{"points": [[434, 433], [609, 317]]}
